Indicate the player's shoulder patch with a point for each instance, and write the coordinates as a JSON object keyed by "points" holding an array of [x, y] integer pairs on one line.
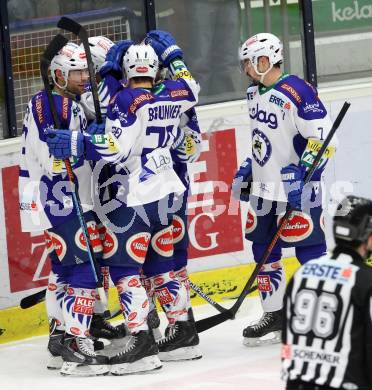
{"points": [[292, 87], [304, 96]]}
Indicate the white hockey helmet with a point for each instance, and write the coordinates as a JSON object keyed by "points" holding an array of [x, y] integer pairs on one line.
{"points": [[99, 46], [140, 61], [259, 45], [70, 57]]}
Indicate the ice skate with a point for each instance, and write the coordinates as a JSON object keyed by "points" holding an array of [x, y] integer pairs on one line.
{"points": [[139, 355], [153, 322], [268, 330], [55, 345], [181, 343], [101, 328], [79, 358]]}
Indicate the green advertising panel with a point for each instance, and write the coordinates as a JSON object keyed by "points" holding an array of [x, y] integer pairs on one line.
{"points": [[330, 16]]}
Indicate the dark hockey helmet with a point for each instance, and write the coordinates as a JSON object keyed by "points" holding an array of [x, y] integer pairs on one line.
{"points": [[352, 223]]}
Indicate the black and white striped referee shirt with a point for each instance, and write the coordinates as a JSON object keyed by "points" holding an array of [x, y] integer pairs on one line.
{"points": [[327, 335]]}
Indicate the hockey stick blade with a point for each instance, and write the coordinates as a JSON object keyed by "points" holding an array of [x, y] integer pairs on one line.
{"points": [[213, 321], [70, 25], [32, 300], [54, 47]]}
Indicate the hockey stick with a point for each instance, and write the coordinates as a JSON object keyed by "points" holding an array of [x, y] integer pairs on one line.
{"points": [[76, 28], [53, 48], [215, 320], [207, 298], [32, 300]]}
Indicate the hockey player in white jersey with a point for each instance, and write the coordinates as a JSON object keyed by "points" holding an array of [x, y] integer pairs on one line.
{"points": [[141, 127], [288, 123], [327, 336], [46, 204], [109, 83]]}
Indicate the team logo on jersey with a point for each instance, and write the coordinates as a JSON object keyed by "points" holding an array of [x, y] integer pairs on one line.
{"points": [[109, 243], [261, 147], [137, 246], [297, 228], [94, 238], [162, 242], [55, 242], [251, 221], [178, 228], [270, 119]]}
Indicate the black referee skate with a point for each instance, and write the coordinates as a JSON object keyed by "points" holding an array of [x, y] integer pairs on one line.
{"points": [[267, 331], [181, 343], [139, 355], [101, 328], [79, 358]]}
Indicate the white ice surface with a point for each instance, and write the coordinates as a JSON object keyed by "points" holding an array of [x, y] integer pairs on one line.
{"points": [[226, 363]]}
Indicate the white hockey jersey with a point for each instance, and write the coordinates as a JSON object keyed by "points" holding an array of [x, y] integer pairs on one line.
{"points": [[282, 117], [140, 128], [45, 198]]}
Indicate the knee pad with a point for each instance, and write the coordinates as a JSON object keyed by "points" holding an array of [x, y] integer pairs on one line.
{"points": [[307, 253]]}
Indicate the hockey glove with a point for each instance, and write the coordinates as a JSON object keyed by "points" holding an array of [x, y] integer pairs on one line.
{"points": [[96, 128], [164, 45], [65, 143], [187, 146], [241, 185], [114, 59], [293, 180]]}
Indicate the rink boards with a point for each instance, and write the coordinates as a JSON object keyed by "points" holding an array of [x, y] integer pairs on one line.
{"points": [[216, 221]]}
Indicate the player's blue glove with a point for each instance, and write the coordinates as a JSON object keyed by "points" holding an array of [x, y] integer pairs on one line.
{"points": [[96, 128], [114, 59], [164, 45], [241, 185], [293, 180], [65, 143]]}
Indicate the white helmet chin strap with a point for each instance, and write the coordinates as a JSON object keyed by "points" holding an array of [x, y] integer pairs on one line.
{"points": [[60, 86], [262, 74]]}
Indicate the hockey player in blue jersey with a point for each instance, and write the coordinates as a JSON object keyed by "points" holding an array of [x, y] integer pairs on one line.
{"points": [[188, 124], [46, 204], [140, 130], [102, 48], [288, 123]]}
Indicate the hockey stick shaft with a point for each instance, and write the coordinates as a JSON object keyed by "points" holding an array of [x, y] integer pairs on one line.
{"points": [[53, 48], [77, 29], [210, 322], [207, 298]]}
